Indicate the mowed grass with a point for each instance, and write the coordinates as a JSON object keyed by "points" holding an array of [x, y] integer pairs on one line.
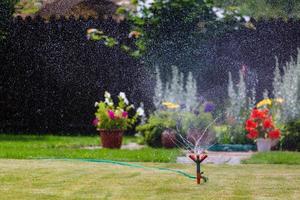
{"points": [[275, 157], [49, 146], [49, 179]]}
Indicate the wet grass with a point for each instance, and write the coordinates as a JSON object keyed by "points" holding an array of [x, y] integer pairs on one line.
{"points": [[275, 157], [49, 146], [44, 179]]}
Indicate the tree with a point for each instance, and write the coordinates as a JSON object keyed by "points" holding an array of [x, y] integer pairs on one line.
{"points": [[264, 8], [6, 11]]}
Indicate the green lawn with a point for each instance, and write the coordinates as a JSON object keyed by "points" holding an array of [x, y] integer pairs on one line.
{"points": [[28, 147], [48, 179], [276, 157]]}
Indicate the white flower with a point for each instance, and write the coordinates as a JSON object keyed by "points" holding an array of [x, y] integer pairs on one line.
{"points": [[219, 12], [130, 107], [96, 104], [238, 18], [246, 18], [123, 96], [108, 102], [107, 95], [140, 111], [126, 101]]}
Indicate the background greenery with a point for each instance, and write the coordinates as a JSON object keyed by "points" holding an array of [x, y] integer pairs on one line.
{"points": [[264, 8], [6, 11], [291, 140]]}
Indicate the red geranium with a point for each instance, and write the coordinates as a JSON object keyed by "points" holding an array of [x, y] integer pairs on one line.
{"points": [[274, 134], [250, 124], [260, 124], [259, 114], [268, 123], [253, 134]]}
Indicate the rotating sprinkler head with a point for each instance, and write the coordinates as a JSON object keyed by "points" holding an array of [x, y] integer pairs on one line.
{"points": [[192, 137], [198, 159], [197, 144]]}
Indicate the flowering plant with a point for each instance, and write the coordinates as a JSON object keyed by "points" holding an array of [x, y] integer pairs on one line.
{"points": [[260, 125], [111, 116]]}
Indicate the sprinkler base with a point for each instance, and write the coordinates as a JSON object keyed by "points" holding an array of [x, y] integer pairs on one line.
{"points": [[198, 159]]}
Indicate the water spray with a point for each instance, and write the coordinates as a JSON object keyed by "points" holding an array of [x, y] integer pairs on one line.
{"points": [[197, 148]]}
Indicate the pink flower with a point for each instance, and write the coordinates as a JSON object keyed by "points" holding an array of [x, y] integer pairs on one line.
{"points": [[111, 114], [95, 121], [124, 114]]}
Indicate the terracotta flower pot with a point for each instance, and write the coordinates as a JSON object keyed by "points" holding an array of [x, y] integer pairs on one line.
{"points": [[168, 138], [263, 144], [111, 139]]}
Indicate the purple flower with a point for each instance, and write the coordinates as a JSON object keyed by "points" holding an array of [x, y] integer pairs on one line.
{"points": [[111, 114], [209, 107], [95, 121]]}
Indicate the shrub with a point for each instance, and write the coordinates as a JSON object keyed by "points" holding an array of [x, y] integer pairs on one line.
{"points": [[291, 136], [195, 121], [237, 100], [176, 91], [179, 120], [236, 112], [222, 133], [287, 87], [227, 134], [156, 124], [237, 135]]}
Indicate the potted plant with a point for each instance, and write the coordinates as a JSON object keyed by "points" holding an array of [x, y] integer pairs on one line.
{"points": [[113, 119], [260, 127]]}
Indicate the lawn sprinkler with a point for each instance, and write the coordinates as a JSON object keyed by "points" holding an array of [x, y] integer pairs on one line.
{"points": [[197, 144], [196, 141], [198, 159], [197, 147]]}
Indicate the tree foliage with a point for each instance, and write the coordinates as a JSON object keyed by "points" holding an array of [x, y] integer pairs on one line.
{"points": [[163, 24], [264, 8], [6, 11]]}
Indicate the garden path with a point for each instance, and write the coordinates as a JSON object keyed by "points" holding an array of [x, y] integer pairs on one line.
{"points": [[130, 146], [231, 158]]}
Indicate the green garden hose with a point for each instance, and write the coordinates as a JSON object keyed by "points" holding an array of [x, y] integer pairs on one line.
{"points": [[128, 165]]}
